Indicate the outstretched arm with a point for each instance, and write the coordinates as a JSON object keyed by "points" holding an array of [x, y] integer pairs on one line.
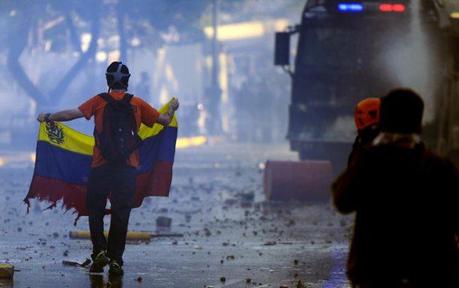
{"points": [[166, 118], [65, 115]]}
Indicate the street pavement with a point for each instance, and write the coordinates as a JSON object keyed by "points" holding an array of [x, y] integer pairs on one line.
{"points": [[232, 237]]}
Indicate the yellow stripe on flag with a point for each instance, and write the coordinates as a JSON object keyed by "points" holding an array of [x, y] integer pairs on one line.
{"points": [[63, 136], [147, 132]]}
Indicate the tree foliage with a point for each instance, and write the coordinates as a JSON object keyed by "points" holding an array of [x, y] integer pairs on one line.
{"points": [[60, 25]]}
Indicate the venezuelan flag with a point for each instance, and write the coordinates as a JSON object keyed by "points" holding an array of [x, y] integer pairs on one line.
{"points": [[63, 163]]}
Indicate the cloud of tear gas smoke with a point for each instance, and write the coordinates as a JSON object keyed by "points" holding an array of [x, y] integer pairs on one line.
{"points": [[411, 61]]}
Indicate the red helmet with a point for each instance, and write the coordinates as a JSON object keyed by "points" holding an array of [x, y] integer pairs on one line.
{"points": [[367, 113]]}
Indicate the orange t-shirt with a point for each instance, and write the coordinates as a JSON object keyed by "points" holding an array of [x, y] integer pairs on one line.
{"points": [[143, 113]]}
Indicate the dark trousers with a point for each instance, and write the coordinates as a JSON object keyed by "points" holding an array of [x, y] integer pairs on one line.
{"points": [[118, 181]]}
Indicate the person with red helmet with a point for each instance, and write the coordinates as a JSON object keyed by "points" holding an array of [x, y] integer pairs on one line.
{"points": [[367, 114], [405, 199], [366, 118]]}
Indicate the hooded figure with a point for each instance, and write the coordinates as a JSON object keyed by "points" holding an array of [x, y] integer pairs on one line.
{"points": [[406, 204]]}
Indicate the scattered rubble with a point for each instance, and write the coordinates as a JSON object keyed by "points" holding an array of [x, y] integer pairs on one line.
{"points": [[225, 219], [163, 222], [300, 284]]}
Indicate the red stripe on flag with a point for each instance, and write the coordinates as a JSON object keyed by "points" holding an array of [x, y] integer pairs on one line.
{"points": [[53, 190], [156, 182]]}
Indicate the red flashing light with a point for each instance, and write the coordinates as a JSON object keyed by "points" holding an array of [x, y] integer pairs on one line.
{"points": [[398, 8], [385, 7]]}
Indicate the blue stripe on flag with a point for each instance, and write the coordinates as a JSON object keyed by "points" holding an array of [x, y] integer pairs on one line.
{"points": [[57, 163], [160, 147]]}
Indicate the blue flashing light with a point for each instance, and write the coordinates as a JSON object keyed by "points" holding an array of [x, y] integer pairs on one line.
{"points": [[350, 7]]}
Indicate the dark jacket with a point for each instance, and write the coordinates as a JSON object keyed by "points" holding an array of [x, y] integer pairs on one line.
{"points": [[406, 201], [362, 142]]}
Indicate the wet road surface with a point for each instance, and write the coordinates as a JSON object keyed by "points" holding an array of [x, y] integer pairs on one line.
{"points": [[229, 239]]}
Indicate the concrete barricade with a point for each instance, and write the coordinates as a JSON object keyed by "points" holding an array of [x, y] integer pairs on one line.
{"points": [[305, 181]]}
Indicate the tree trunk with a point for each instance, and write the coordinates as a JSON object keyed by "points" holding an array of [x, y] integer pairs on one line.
{"points": [[74, 37], [18, 42], [57, 93]]}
